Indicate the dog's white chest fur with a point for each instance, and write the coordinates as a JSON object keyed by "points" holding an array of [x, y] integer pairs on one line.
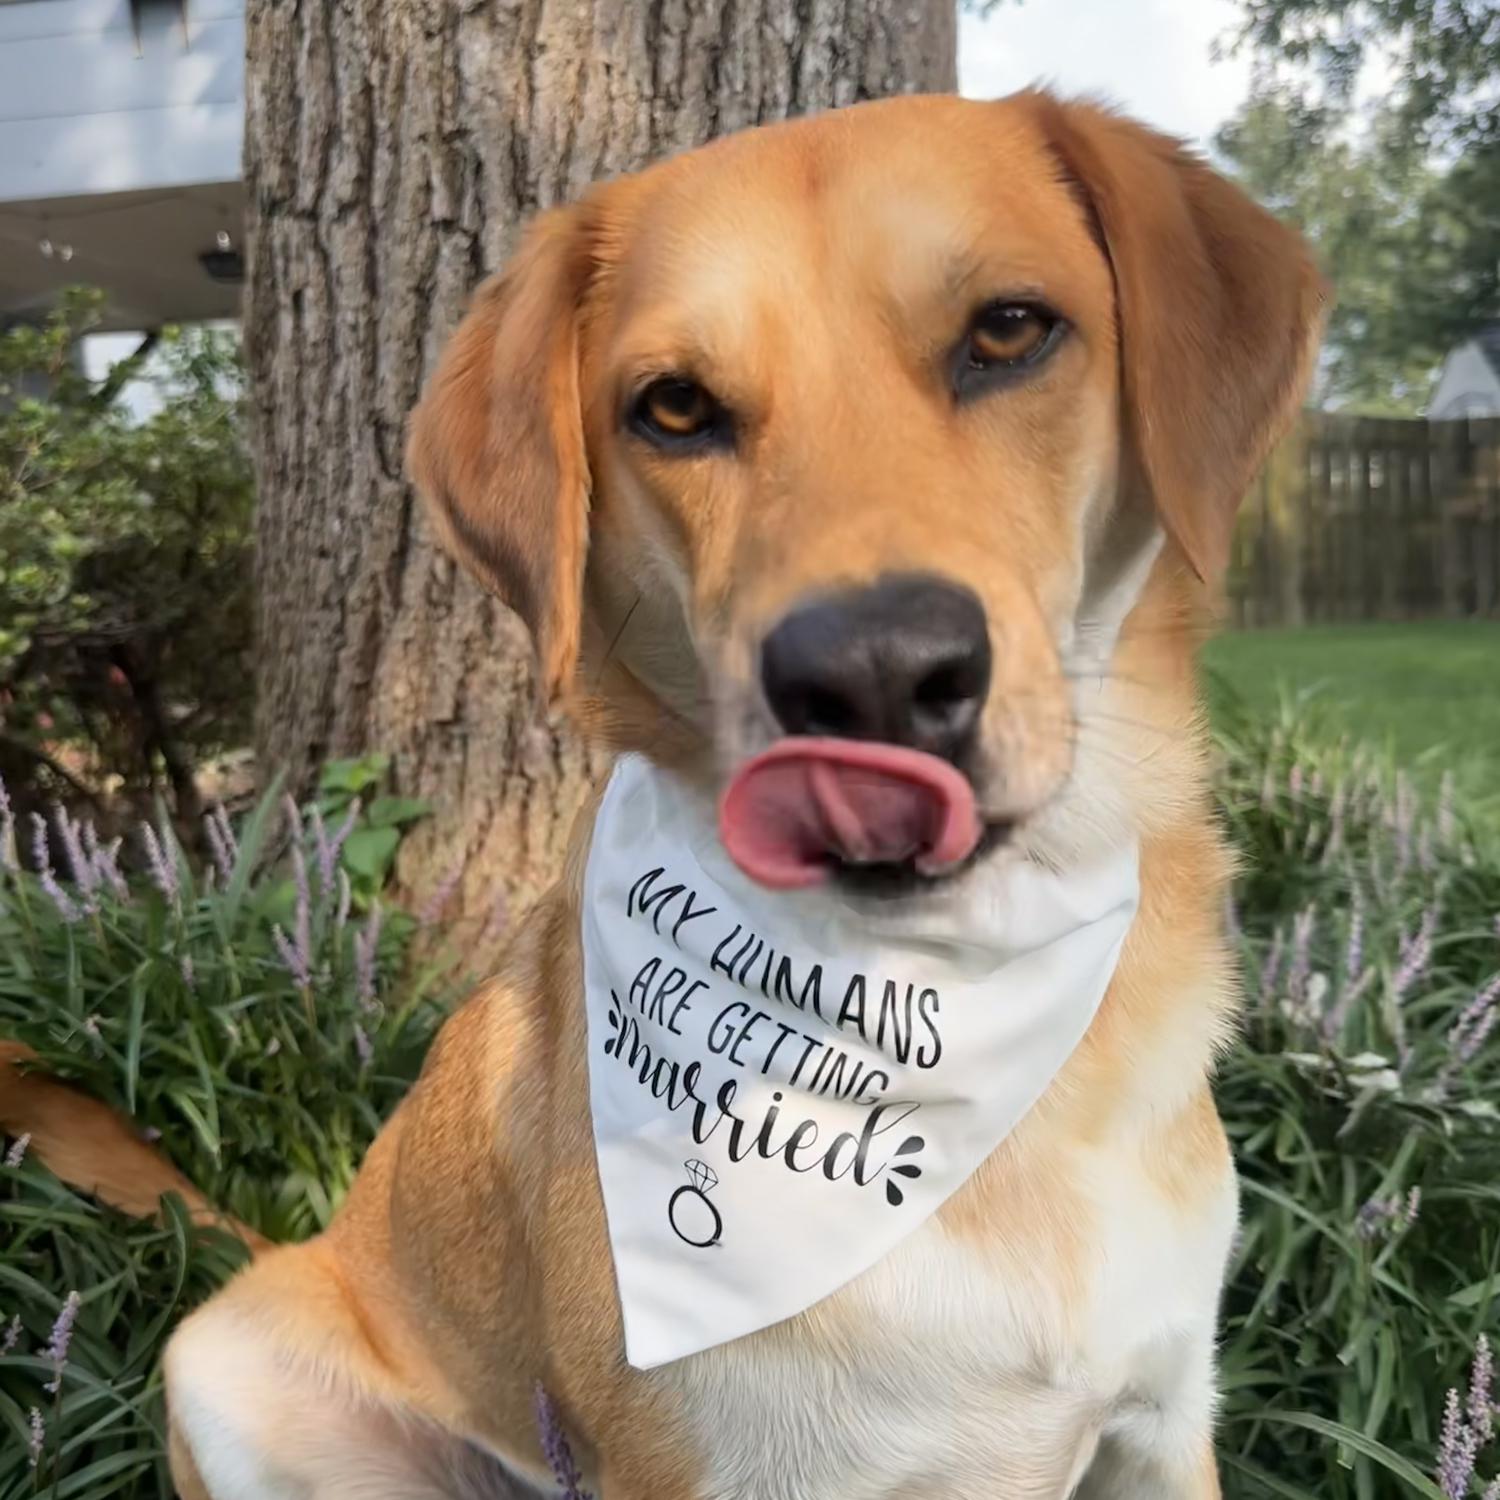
{"points": [[952, 1372]]}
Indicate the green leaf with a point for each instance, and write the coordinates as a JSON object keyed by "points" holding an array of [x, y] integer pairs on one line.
{"points": [[1416, 1482], [252, 842], [354, 776], [369, 852], [390, 812]]}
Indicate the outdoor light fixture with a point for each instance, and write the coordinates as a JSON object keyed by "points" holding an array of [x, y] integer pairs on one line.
{"points": [[138, 9], [223, 263]]}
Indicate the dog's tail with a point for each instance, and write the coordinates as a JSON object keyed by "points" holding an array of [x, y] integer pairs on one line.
{"points": [[93, 1148]]}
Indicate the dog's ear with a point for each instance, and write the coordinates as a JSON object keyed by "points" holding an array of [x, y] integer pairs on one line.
{"points": [[496, 447], [1219, 315]]}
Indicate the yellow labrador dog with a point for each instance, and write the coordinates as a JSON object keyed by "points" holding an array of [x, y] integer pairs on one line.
{"points": [[873, 471]]}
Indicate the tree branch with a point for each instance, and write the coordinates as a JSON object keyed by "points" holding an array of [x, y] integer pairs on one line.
{"points": [[125, 370]]}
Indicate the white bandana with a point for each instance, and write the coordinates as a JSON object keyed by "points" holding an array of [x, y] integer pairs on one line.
{"points": [[783, 1087]]}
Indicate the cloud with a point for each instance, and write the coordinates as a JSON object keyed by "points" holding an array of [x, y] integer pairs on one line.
{"points": [[1151, 57]]}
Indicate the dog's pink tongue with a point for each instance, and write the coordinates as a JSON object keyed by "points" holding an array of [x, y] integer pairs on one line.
{"points": [[805, 804]]}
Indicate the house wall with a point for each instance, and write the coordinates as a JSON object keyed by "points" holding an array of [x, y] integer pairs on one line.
{"points": [[83, 112], [1467, 387]]}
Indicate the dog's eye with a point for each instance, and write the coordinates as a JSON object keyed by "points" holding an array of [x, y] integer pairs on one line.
{"points": [[674, 410], [1005, 342], [1009, 334]]}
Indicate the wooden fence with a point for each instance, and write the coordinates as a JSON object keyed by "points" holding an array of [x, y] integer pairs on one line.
{"points": [[1363, 518]]}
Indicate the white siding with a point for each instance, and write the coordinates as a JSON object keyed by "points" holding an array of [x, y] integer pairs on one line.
{"points": [[82, 112], [1467, 387]]}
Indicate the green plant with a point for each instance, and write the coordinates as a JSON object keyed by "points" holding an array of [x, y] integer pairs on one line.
{"points": [[244, 1012], [1360, 1102], [1361, 1109], [125, 550]]}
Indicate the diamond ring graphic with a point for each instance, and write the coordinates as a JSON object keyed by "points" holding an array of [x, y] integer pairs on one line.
{"points": [[694, 1219]]}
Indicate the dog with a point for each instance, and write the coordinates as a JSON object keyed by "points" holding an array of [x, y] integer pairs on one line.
{"points": [[918, 426]]}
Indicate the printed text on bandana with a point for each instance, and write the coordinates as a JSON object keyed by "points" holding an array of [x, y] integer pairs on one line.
{"points": [[749, 1019]]}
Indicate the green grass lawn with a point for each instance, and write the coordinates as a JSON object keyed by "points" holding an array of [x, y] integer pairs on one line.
{"points": [[1428, 692]]}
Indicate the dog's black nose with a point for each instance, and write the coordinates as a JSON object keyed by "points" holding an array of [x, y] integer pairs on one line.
{"points": [[906, 661]]}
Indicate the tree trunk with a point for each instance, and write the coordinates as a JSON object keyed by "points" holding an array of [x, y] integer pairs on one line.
{"points": [[393, 148]]}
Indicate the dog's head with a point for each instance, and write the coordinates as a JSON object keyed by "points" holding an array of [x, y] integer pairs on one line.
{"points": [[853, 441]]}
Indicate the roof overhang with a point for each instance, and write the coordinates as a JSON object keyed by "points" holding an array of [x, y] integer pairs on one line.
{"points": [[145, 249]]}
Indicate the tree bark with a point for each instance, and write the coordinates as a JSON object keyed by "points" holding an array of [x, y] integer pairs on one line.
{"points": [[393, 149]]}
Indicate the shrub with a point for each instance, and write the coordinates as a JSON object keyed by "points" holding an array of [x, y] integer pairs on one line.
{"points": [[246, 1013], [125, 552], [1362, 1112], [1360, 1104]]}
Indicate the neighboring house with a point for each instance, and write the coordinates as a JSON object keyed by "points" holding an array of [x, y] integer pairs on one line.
{"points": [[1468, 384], [120, 130]]}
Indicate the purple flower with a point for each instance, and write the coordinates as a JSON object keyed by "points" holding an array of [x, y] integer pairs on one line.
{"points": [[1354, 947], [17, 1153], [1270, 969], [330, 848], [189, 977], [1447, 823], [364, 1049], [556, 1448], [1426, 856], [1415, 955], [1373, 1215], [296, 951], [38, 1437], [1406, 813], [1304, 924], [293, 817], [1457, 1450], [1335, 825], [366, 946], [12, 1335], [296, 961], [85, 875], [324, 850], [104, 860], [1481, 1400], [1388, 1215], [163, 866], [1475, 1022], [57, 1345], [221, 841], [302, 918], [8, 859], [42, 852]]}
